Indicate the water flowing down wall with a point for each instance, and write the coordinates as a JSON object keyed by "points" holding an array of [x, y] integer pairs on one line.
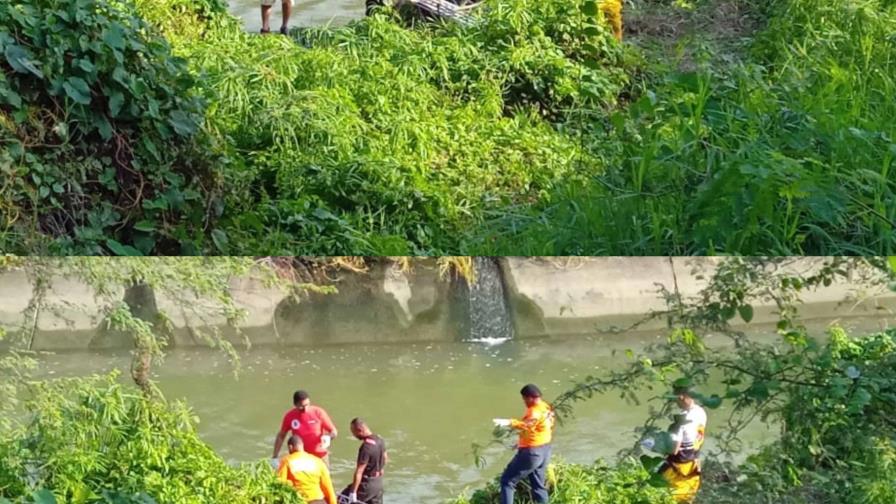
{"points": [[509, 298], [485, 310]]}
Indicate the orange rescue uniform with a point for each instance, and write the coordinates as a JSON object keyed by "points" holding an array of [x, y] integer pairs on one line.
{"points": [[537, 425], [308, 475]]}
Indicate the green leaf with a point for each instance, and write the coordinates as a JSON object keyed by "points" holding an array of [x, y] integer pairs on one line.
{"points": [[77, 89], [590, 8], [746, 312], [711, 402], [591, 49], [592, 31], [114, 36], [892, 261], [43, 497], [144, 243], [182, 123], [11, 97], [145, 225], [650, 463], [116, 100], [43, 191], [103, 126], [86, 65], [657, 480], [220, 239], [20, 61], [682, 383], [151, 148], [122, 250]]}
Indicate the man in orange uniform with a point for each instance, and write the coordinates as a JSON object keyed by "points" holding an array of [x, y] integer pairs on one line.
{"points": [[311, 423], [534, 449], [307, 474]]}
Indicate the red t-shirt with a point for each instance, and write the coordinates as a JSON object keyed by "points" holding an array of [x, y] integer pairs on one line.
{"points": [[309, 425]]}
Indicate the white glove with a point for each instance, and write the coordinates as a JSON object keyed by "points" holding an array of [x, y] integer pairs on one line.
{"points": [[501, 422], [325, 441], [353, 497], [648, 443], [275, 463]]}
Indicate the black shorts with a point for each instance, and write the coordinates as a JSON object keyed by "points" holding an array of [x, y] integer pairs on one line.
{"points": [[370, 491]]}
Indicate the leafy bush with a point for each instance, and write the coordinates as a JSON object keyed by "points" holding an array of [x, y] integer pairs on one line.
{"points": [[789, 152], [93, 440], [623, 483], [100, 131], [388, 139]]}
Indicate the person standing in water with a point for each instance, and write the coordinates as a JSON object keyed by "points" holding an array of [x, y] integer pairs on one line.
{"points": [[310, 423], [682, 466], [307, 474], [266, 6], [534, 448], [367, 483]]}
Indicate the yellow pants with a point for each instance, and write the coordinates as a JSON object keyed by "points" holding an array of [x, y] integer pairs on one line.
{"points": [[612, 11], [684, 480]]}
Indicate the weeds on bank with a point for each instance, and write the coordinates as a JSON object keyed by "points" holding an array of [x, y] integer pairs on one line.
{"points": [[530, 132], [790, 153]]}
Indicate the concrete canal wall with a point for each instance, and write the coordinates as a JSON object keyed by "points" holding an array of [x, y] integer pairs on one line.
{"points": [[547, 297]]}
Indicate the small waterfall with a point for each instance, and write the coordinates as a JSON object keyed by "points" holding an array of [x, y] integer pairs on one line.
{"points": [[488, 308]]}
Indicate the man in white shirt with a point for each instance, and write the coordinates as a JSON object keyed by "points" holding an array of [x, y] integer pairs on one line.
{"points": [[691, 427], [682, 467]]}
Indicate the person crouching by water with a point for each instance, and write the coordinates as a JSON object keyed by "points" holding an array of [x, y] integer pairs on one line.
{"points": [[311, 423], [367, 484], [681, 469], [307, 474], [534, 448]]}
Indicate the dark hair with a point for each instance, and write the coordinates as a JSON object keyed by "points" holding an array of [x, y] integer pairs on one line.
{"points": [[295, 441], [530, 391], [681, 390], [299, 396], [358, 422]]}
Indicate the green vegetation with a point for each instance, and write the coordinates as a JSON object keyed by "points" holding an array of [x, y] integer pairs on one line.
{"points": [[95, 441], [623, 483], [830, 397], [375, 137], [790, 150], [99, 132], [531, 131]]}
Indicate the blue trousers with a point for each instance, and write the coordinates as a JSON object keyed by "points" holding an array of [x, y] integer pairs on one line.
{"points": [[531, 463]]}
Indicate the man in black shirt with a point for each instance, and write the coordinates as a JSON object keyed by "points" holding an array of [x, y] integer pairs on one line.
{"points": [[367, 485]]}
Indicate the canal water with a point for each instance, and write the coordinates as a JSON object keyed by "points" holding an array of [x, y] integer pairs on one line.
{"points": [[304, 12], [429, 401]]}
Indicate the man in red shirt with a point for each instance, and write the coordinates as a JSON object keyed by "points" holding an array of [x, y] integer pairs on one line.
{"points": [[310, 423]]}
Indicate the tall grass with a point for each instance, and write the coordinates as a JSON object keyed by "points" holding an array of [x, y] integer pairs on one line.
{"points": [[380, 138], [530, 131], [791, 152]]}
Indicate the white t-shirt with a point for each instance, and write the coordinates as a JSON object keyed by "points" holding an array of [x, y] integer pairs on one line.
{"points": [[690, 433]]}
